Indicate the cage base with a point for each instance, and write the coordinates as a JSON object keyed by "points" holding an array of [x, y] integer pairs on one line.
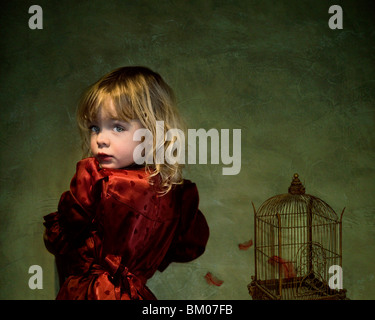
{"points": [[294, 289]]}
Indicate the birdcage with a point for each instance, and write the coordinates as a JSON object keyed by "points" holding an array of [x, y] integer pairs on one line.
{"points": [[297, 238]]}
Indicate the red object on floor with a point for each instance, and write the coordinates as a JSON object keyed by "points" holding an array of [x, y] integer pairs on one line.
{"points": [[246, 245], [213, 280]]}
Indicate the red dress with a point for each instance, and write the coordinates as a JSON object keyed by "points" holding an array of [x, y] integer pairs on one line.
{"points": [[112, 231]]}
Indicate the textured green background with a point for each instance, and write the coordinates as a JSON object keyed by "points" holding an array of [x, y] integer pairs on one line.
{"points": [[302, 94]]}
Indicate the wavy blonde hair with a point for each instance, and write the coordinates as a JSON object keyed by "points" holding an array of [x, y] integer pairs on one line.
{"points": [[137, 93]]}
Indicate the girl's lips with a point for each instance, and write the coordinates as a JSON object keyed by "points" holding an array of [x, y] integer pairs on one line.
{"points": [[104, 157]]}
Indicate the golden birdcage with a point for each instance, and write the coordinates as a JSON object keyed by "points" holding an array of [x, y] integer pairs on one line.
{"points": [[297, 239]]}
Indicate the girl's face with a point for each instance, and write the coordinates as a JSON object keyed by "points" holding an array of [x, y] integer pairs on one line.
{"points": [[112, 139]]}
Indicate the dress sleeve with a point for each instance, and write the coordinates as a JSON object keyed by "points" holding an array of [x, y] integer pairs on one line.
{"points": [[75, 209], [65, 225], [192, 233]]}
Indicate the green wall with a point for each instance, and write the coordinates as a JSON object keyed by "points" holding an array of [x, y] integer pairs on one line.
{"points": [[302, 94]]}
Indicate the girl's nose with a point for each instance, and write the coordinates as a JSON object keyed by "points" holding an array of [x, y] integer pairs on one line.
{"points": [[102, 139]]}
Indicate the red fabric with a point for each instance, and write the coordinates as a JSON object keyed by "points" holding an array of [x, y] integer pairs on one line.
{"points": [[112, 231], [287, 266], [246, 245], [211, 279]]}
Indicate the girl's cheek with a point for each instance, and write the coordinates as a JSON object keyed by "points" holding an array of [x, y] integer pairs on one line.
{"points": [[92, 145]]}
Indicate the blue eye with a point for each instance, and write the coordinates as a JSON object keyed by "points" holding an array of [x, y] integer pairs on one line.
{"points": [[118, 128], [94, 129]]}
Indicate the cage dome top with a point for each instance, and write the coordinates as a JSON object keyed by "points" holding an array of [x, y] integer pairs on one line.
{"points": [[296, 187], [296, 201]]}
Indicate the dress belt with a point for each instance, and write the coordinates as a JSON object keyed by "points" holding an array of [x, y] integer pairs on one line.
{"points": [[119, 275]]}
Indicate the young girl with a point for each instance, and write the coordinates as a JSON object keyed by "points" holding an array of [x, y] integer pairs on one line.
{"points": [[120, 221]]}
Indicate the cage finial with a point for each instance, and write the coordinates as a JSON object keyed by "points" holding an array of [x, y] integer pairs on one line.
{"points": [[296, 187]]}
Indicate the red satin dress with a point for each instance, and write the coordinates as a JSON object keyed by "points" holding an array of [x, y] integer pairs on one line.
{"points": [[112, 231]]}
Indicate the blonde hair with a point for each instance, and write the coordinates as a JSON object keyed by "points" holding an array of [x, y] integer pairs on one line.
{"points": [[137, 93]]}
